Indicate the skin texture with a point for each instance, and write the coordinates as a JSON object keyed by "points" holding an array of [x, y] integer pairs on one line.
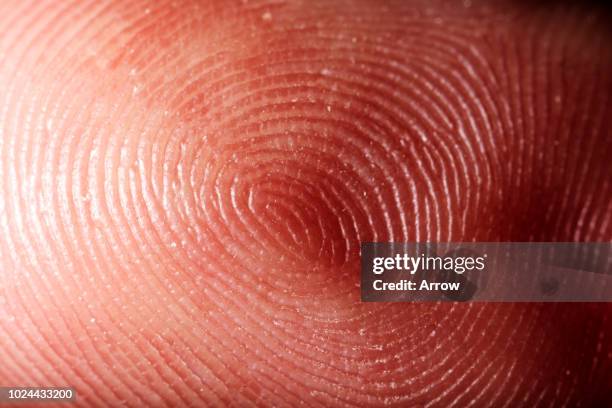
{"points": [[184, 187]]}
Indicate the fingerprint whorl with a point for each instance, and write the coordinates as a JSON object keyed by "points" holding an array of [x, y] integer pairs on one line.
{"points": [[305, 167]]}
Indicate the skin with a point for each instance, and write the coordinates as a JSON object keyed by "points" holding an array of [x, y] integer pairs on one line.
{"points": [[184, 187]]}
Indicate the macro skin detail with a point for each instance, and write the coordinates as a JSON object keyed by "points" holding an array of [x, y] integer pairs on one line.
{"points": [[184, 187]]}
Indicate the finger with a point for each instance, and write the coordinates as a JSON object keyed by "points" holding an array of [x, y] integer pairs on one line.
{"points": [[185, 186]]}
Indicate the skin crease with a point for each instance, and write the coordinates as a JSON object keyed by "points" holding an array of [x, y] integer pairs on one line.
{"points": [[184, 186]]}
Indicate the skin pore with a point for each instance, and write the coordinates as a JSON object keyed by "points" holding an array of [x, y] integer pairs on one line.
{"points": [[184, 186]]}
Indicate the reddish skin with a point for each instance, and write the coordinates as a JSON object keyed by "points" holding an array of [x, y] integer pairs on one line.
{"points": [[183, 188]]}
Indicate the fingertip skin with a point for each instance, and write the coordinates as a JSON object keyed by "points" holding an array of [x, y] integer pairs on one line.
{"points": [[184, 187]]}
